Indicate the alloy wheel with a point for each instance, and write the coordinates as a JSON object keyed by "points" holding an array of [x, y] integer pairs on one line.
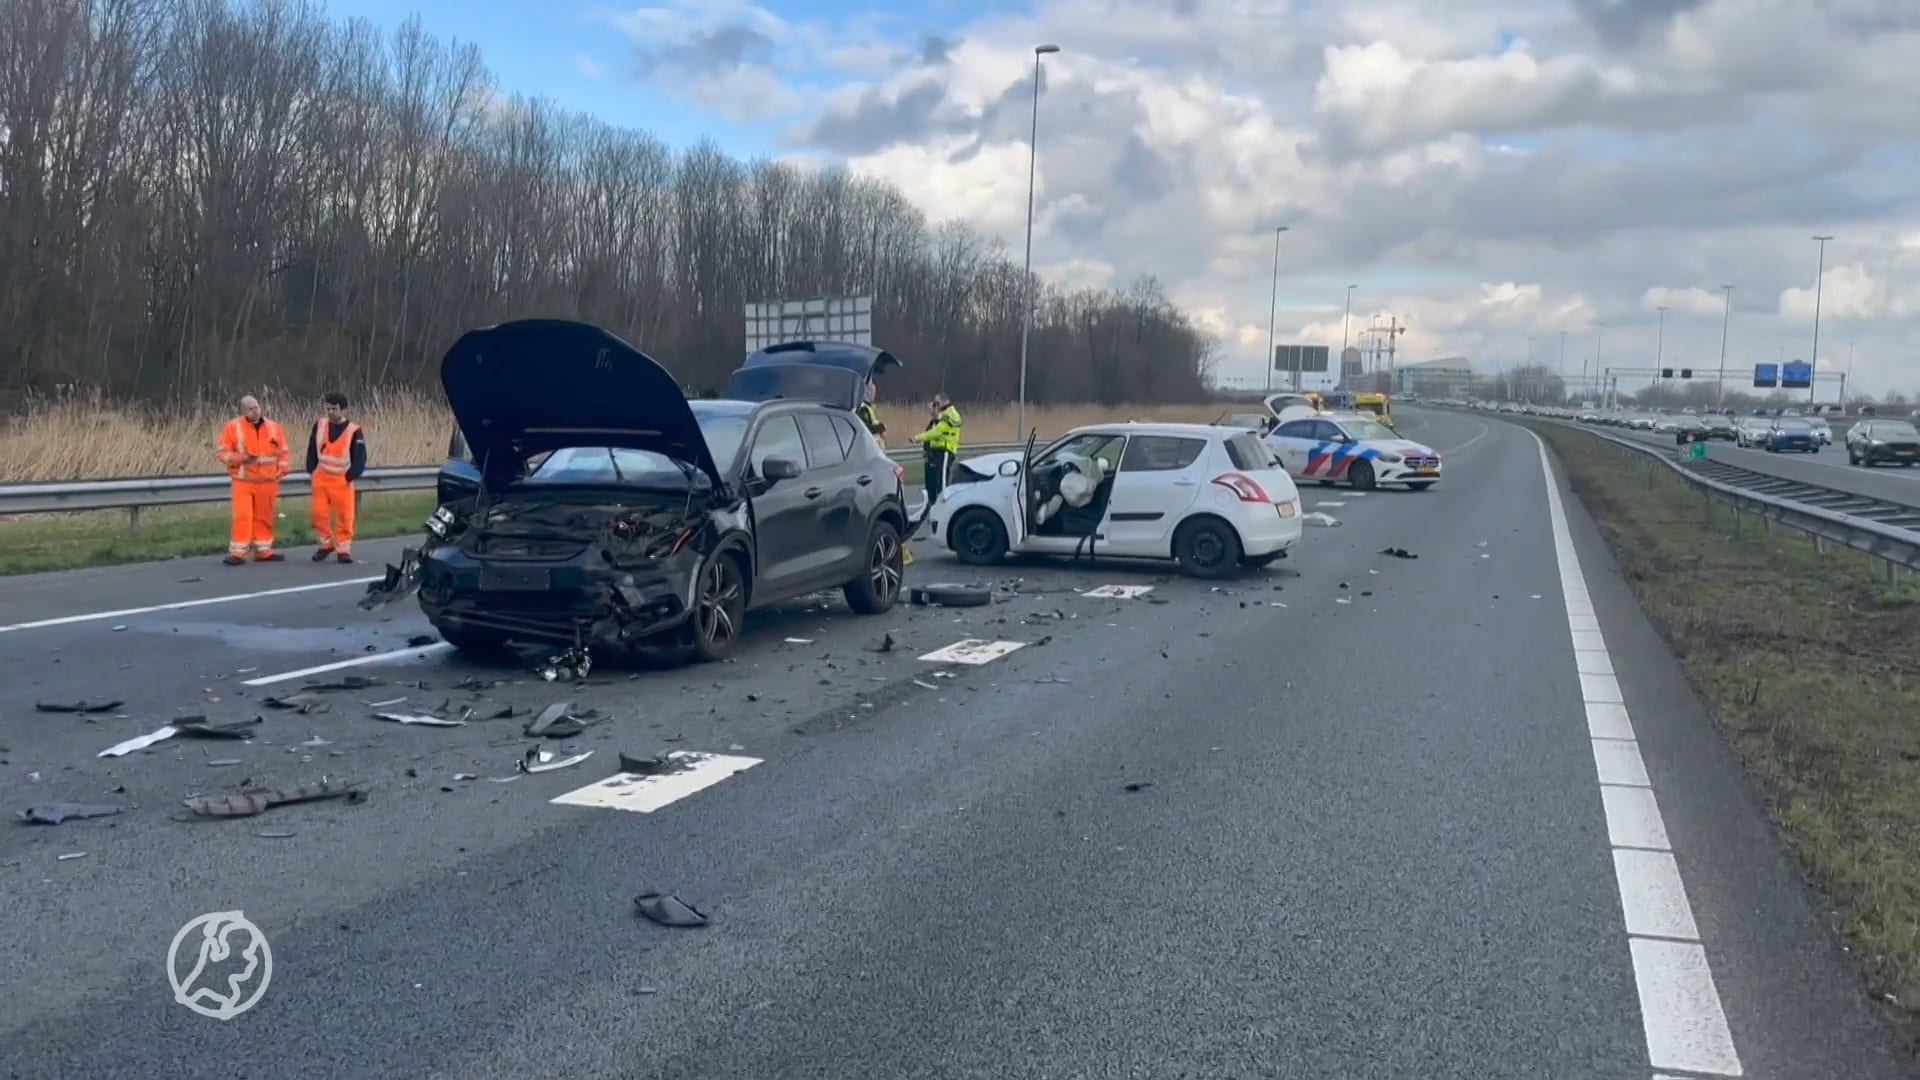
{"points": [[886, 571], [719, 591]]}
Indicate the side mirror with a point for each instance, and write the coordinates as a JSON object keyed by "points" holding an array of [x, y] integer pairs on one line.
{"points": [[1009, 468], [775, 469]]}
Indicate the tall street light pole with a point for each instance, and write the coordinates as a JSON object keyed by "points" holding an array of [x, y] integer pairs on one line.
{"points": [[1033, 160], [1726, 316], [1273, 311], [1659, 345], [1563, 362], [1813, 362], [1599, 330], [1346, 319]]}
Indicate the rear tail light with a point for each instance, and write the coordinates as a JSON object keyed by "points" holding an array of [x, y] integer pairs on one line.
{"points": [[1243, 488]]}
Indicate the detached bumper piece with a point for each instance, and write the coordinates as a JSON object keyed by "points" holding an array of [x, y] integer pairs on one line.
{"points": [[401, 582]]}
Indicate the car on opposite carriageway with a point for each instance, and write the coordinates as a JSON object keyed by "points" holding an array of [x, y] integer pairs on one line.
{"points": [[1212, 498], [598, 507]]}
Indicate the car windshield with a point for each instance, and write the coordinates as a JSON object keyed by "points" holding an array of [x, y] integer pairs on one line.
{"points": [[603, 465], [1367, 429], [1886, 430], [1794, 426]]}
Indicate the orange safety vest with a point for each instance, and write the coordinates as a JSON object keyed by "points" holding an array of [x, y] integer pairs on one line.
{"points": [[337, 455], [240, 441]]}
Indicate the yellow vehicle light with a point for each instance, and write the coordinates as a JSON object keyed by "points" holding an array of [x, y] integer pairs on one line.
{"points": [[1289, 509]]}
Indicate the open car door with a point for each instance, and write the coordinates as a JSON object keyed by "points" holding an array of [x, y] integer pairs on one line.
{"points": [[1023, 490], [831, 372]]}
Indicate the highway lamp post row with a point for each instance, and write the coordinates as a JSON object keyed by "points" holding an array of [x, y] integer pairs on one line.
{"points": [[1026, 283], [1273, 312], [1813, 362]]}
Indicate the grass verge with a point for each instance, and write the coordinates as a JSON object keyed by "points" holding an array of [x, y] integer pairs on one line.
{"points": [[1810, 665], [44, 542], [102, 538]]}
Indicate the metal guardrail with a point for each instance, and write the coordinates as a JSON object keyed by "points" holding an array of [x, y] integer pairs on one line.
{"points": [[1763, 495], [138, 493]]}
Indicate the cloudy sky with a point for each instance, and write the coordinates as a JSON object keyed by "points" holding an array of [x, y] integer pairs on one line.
{"points": [[1486, 171]]}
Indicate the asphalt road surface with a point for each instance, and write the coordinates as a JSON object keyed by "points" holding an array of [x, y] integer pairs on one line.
{"points": [[1341, 818]]}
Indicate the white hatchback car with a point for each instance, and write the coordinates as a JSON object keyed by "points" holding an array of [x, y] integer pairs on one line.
{"points": [[1212, 498]]}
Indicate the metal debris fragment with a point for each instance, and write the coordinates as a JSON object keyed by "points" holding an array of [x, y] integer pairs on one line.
{"points": [[1324, 520], [84, 706], [538, 760], [350, 682], [1398, 553], [249, 803], [304, 703], [573, 664], [421, 719], [56, 812], [668, 910]]}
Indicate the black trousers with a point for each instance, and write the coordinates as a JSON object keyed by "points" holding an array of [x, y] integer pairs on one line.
{"points": [[938, 462]]}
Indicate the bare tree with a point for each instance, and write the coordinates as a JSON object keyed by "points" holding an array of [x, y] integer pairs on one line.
{"points": [[195, 193]]}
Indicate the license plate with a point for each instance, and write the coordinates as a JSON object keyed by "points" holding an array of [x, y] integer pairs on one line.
{"points": [[1908, 453], [1427, 471], [513, 579]]}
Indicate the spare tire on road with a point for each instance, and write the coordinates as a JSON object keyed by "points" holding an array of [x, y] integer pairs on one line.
{"points": [[949, 595]]}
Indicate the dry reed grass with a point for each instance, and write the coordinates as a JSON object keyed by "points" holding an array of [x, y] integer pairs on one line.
{"points": [[95, 440]]}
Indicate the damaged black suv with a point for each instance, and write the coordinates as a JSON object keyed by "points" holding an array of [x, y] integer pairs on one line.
{"points": [[596, 506]]}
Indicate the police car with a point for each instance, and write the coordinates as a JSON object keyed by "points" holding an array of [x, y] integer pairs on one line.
{"points": [[1360, 450]]}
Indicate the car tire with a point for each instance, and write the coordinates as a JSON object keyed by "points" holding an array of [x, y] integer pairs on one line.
{"points": [[941, 595], [1207, 547], [473, 642], [1420, 485], [1360, 475], [882, 572], [977, 537], [719, 603]]}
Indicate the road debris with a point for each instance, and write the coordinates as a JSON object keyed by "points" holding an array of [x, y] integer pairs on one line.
{"points": [[195, 727], [538, 760], [949, 595], [399, 583], [560, 721], [420, 640], [84, 706], [571, 665], [883, 645], [1138, 785], [56, 812], [1324, 520], [302, 703], [1398, 553], [420, 719], [350, 682], [275, 834], [658, 764], [668, 910], [71, 855], [258, 800]]}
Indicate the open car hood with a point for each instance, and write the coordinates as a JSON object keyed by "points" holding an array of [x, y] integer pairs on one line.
{"points": [[524, 387], [830, 372]]}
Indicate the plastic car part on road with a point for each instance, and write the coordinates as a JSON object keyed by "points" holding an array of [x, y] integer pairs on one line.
{"points": [[949, 595]]}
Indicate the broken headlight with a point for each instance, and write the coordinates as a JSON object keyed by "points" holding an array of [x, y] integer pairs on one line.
{"points": [[440, 523]]}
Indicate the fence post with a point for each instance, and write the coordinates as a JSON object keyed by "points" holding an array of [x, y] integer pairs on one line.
{"points": [[133, 520], [1820, 545]]}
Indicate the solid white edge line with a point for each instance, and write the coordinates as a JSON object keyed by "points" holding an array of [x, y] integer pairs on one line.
{"points": [[68, 620], [375, 658], [1681, 1014]]}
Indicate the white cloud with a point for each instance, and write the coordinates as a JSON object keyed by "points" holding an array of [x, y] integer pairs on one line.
{"points": [[1490, 172]]}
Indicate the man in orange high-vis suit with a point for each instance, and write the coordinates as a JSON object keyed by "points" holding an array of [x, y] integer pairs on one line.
{"points": [[254, 450], [335, 459]]}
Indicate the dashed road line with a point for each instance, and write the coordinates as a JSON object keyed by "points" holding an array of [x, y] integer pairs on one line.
{"points": [[374, 658], [177, 605], [973, 651], [1680, 1008], [646, 793]]}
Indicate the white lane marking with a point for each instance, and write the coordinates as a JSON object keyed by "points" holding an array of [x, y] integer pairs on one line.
{"points": [[1680, 1010], [374, 658], [1633, 817], [1323, 505], [644, 794], [1119, 592], [95, 616], [1593, 661], [1651, 896], [1607, 720], [1601, 689], [1485, 430], [973, 651], [1617, 761]]}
